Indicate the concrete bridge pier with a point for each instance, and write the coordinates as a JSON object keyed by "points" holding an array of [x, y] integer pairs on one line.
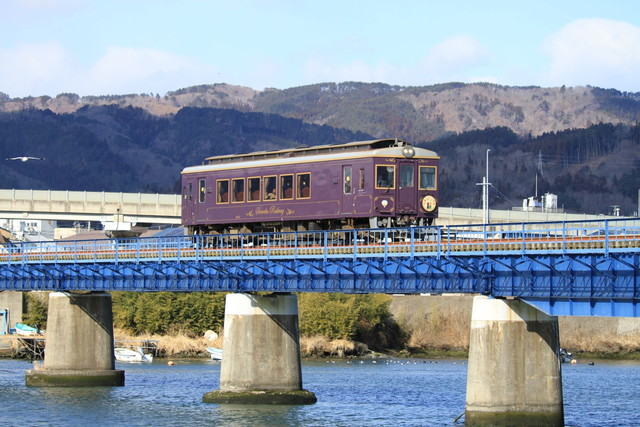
{"points": [[514, 375], [79, 343], [261, 360]]}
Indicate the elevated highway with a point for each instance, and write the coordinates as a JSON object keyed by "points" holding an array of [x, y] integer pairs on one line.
{"points": [[140, 208], [148, 208]]}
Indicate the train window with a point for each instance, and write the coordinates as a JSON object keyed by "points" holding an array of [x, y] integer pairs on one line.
{"points": [[427, 177], [254, 189], [286, 186], [190, 190], [202, 190], [270, 187], [347, 179], [361, 179], [385, 176], [222, 191], [406, 175], [304, 185], [237, 185]]}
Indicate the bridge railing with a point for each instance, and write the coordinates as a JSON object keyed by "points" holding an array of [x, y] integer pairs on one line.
{"points": [[544, 237]]}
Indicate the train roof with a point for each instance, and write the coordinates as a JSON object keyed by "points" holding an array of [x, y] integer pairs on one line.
{"points": [[358, 149], [310, 151]]}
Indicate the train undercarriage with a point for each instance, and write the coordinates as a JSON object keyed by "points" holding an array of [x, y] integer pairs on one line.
{"points": [[310, 225]]}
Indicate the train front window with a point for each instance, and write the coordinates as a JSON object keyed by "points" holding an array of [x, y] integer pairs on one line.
{"points": [[254, 190], [286, 187], [385, 176], [202, 190], [238, 190], [406, 175], [427, 178], [222, 191], [304, 185], [270, 187]]}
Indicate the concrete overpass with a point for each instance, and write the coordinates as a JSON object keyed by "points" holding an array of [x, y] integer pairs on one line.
{"points": [[140, 208], [146, 208], [462, 216]]}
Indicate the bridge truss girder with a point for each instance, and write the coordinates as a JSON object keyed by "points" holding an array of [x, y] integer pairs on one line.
{"points": [[576, 284]]}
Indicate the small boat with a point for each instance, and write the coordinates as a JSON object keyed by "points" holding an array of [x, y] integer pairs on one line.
{"points": [[26, 330], [565, 356], [130, 355], [215, 353]]}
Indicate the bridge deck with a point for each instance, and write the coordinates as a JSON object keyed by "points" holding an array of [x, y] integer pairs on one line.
{"points": [[111, 251], [584, 267]]}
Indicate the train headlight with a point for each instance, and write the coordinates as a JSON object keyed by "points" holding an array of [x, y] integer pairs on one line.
{"points": [[408, 152], [429, 203]]}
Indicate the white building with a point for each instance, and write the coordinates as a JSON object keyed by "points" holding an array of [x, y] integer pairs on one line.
{"points": [[30, 229]]}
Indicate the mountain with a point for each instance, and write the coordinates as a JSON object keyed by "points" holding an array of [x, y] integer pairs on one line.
{"points": [[417, 114], [580, 143], [108, 148], [591, 170]]}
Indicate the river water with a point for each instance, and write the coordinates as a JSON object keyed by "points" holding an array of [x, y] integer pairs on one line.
{"points": [[406, 393]]}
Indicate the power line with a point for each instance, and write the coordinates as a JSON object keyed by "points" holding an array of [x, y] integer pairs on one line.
{"points": [[501, 194]]}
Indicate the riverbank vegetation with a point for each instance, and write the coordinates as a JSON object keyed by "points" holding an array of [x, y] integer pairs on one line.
{"points": [[339, 325], [330, 324]]}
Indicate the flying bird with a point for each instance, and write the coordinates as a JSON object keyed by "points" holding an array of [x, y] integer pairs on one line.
{"points": [[25, 158]]}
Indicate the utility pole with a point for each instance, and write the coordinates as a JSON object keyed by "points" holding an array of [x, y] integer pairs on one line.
{"points": [[539, 163], [485, 191]]}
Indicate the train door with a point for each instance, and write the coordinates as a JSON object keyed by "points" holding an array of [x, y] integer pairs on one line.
{"points": [[188, 205], [347, 189], [407, 195], [200, 198]]}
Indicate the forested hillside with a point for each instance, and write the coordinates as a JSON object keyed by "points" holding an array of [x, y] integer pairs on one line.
{"points": [[417, 114], [108, 148], [579, 143], [589, 169]]}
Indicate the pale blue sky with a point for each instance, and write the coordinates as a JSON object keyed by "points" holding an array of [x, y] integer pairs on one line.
{"points": [[109, 47]]}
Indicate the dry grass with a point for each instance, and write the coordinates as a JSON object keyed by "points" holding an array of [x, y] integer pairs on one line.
{"points": [[446, 331], [318, 346], [443, 323], [598, 335], [434, 322], [178, 344]]}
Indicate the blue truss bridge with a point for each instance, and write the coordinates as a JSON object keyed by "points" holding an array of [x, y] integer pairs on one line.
{"points": [[563, 268]]}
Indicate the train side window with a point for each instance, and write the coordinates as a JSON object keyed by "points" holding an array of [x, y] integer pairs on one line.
{"points": [[254, 189], [347, 175], [361, 186], [222, 191], [237, 184], [427, 177], [385, 176], [286, 187], [190, 190], [202, 190], [304, 186], [270, 187]]}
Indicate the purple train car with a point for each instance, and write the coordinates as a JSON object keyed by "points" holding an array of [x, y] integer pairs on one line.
{"points": [[367, 184]]}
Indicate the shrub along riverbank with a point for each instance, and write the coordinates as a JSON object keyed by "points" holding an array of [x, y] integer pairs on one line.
{"points": [[339, 325]]}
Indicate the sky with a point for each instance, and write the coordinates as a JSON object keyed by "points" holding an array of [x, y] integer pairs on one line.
{"points": [[117, 47]]}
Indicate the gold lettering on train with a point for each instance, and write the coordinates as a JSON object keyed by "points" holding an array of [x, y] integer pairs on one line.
{"points": [[269, 210]]}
